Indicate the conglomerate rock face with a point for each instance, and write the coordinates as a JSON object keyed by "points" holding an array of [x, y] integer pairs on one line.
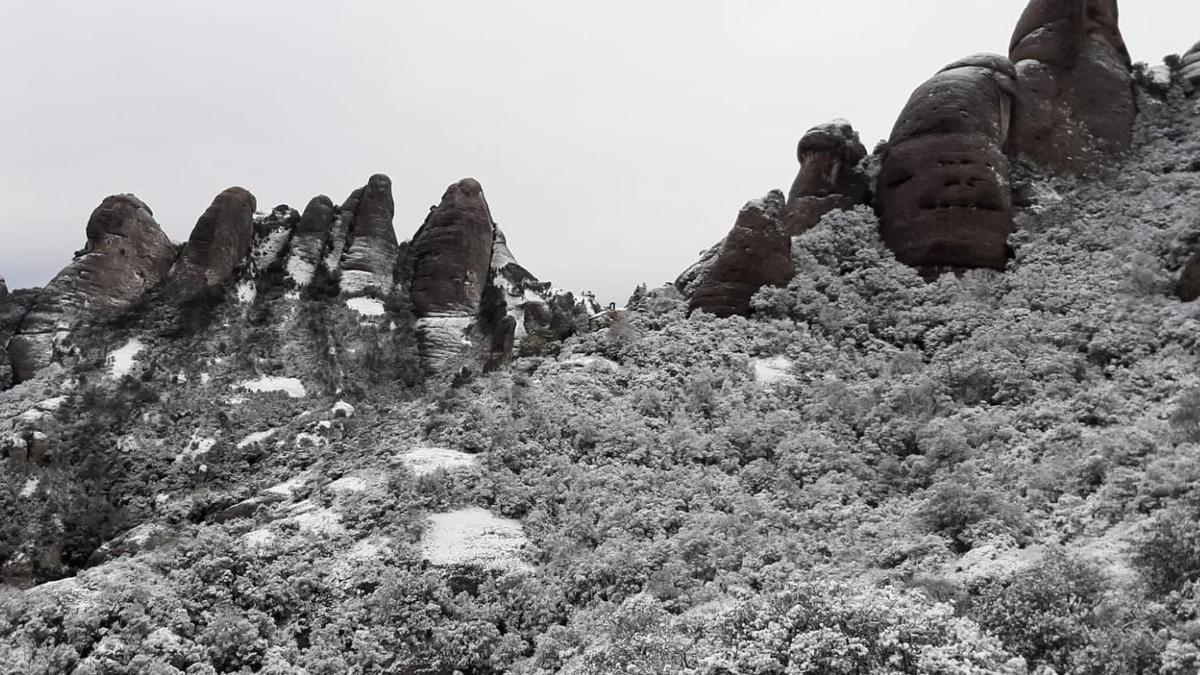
{"points": [[126, 255], [370, 258], [830, 177], [1075, 104], [451, 258], [1191, 66], [944, 195], [219, 244], [756, 253], [309, 240]]}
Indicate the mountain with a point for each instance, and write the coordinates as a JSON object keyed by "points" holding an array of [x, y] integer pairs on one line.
{"points": [[936, 410]]}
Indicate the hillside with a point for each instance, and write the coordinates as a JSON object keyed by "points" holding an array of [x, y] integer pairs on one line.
{"points": [[883, 467]]}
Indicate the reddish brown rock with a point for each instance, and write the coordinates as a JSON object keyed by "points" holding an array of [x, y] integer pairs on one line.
{"points": [[219, 244], [310, 239], [830, 177], [756, 253], [370, 258], [126, 254], [944, 196], [1075, 105]]}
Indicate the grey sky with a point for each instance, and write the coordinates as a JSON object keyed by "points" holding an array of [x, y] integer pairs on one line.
{"points": [[614, 139]]}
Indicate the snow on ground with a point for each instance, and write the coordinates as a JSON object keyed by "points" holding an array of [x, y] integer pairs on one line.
{"points": [[256, 438], [288, 487], [121, 362], [423, 461], [291, 386], [300, 270], [30, 487], [261, 538], [247, 292], [313, 519], [342, 409], [773, 370], [366, 306], [473, 537], [591, 361], [197, 446]]}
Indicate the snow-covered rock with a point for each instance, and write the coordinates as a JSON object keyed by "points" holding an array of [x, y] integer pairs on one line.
{"points": [[424, 461], [473, 537], [122, 361], [291, 386]]}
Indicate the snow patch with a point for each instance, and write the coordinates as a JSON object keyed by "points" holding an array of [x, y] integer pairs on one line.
{"points": [[291, 386], [773, 370], [313, 519], [473, 536], [197, 446], [342, 409], [288, 487], [121, 362], [256, 438], [300, 271], [246, 292], [366, 306], [424, 461], [590, 361], [30, 487]]}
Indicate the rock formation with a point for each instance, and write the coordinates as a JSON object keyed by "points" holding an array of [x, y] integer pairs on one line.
{"points": [[370, 259], [219, 244], [1075, 105], [1188, 287], [309, 240], [451, 258], [944, 196], [126, 254], [3, 289], [1191, 66], [830, 178], [756, 253]]}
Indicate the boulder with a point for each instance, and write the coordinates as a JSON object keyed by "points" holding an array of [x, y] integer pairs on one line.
{"points": [[309, 240], [370, 259], [830, 176], [756, 253], [126, 254], [220, 243], [1190, 66], [944, 195], [1075, 104]]}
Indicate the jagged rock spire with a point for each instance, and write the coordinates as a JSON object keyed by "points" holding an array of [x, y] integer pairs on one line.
{"points": [[756, 253], [219, 244], [452, 253], [1075, 104], [830, 177], [309, 240], [944, 196], [126, 254]]}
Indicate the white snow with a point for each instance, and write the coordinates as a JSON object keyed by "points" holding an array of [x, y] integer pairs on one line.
{"points": [[473, 536], [358, 281], [589, 361], [300, 270], [269, 248], [30, 487], [342, 409], [256, 438], [51, 404], [366, 306], [348, 484], [246, 292], [313, 519], [197, 446], [205, 378], [121, 362], [288, 487], [773, 370], [424, 461], [311, 439], [259, 539], [291, 386], [1160, 75]]}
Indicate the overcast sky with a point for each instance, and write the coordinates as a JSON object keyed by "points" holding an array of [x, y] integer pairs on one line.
{"points": [[614, 139]]}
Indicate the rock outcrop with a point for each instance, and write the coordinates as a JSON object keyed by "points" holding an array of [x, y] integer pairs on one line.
{"points": [[1188, 286], [944, 195], [219, 244], [370, 257], [309, 240], [1075, 105], [830, 177], [451, 260], [1190, 71], [3, 290], [126, 255], [756, 253]]}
